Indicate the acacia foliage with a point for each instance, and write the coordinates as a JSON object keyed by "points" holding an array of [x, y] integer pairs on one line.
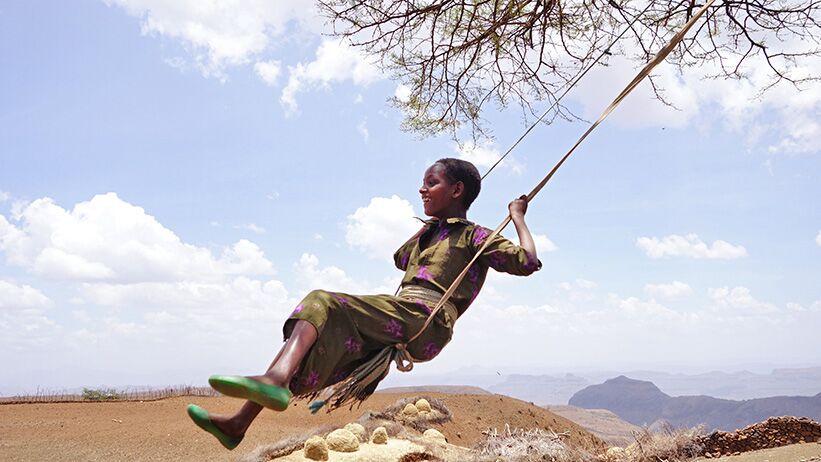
{"points": [[455, 56]]}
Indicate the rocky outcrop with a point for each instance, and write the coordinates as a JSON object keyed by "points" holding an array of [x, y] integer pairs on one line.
{"points": [[771, 433]]}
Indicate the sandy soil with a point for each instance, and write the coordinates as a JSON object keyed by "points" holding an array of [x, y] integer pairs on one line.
{"points": [[161, 430], [806, 452]]}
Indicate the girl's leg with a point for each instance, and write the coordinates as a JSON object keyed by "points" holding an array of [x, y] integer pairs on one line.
{"points": [[279, 373]]}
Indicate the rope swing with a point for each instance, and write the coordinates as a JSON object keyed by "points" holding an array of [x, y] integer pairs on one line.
{"points": [[363, 380]]}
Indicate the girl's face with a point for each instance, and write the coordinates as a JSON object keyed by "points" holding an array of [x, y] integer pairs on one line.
{"points": [[440, 197]]}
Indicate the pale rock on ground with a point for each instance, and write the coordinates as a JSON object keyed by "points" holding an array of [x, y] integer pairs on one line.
{"points": [[410, 410], [379, 435], [342, 440], [358, 430], [434, 434], [423, 405], [315, 448]]}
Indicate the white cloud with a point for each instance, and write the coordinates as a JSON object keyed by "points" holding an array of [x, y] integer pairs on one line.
{"points": [[331, 278], [402, 93], [268, 71], [220, 34], [675, 289], [642, 309], [379, 228], [543, 243], [108, 239], [16, 297], [251, 227], [232, 299], [782, 120], [689, 246], [581, 290], [640, 109], [23, 322], [738, 300], [484, 155], [4, 196], [362, 128], [335, 61], [818, 238]]}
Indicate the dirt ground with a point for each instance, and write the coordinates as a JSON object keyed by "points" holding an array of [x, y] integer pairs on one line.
{"points": [[806, 452], [161, 430]]}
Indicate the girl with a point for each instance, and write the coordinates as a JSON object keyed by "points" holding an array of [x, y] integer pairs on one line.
{"points": [[330, 334]]}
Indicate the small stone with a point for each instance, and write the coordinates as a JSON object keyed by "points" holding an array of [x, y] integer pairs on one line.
{"points": [[357, 430], [423, 405], [316, 448], [410, 410], [424, 414], [342, 440], [434, 434], [379, 436]]}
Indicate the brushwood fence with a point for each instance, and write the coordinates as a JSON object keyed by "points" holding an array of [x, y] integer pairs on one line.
{"points": [[96, 395]]}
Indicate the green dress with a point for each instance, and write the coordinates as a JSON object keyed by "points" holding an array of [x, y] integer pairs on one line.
{"points": [[353, 328]]}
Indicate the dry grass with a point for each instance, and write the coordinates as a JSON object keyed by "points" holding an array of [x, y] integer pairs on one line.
{"points": [[666, 444], [109, 394], [527, 445]]}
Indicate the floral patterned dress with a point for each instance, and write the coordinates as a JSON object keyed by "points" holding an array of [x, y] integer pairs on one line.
{"points": [[352, 328]]}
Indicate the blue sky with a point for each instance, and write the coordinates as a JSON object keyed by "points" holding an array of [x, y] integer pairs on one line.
{"points": [[169, 192]]}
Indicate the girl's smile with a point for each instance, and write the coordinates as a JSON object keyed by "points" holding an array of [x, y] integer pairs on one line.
{"points": [[440, 198]]}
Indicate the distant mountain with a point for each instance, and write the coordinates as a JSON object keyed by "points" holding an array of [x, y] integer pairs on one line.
{"points": [[446, 389], [736, 385], [641, 402], [554, 389], [540, 389]]}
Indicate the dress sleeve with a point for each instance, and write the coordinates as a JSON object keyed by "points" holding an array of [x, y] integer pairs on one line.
{"points": [[402, 255], [503, 255]]}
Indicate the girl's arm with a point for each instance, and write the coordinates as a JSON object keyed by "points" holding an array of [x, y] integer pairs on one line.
{"points": [[517, 209]]}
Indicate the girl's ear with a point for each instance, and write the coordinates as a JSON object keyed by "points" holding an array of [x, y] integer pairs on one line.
{"points": [[458, 190]]}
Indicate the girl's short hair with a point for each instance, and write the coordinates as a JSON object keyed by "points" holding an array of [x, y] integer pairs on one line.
{"points": [[464, 171]]}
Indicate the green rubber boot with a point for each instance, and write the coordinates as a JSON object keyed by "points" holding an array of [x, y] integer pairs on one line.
{"points": [[237, 386], [200, 417]]}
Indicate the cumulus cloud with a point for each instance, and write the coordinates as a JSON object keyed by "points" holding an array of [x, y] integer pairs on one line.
{"points": [[739, 300], [23, 320], [484, 155], [335, 62], [643, 309], [268, 71], [689, 246], [21, 297], [219, 34], [782, 120], [380, 227], [675, 289], [543, 243], [247, 298], [108, 239]]}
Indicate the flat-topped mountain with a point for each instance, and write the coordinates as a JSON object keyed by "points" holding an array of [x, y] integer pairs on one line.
{"points": [[641, 402]]}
